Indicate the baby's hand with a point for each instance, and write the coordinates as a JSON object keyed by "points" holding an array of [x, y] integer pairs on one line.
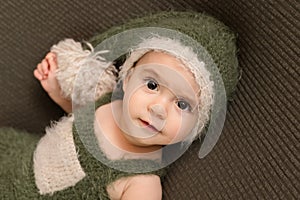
{"points": [[45, 73]]}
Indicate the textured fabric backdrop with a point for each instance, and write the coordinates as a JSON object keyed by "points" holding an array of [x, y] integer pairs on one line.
{"points": [[257, 156]]}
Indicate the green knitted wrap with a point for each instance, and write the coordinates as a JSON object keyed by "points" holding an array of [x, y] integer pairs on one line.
{"points": [[99, 174], [16, 166], [212, 34], [16, 170]]}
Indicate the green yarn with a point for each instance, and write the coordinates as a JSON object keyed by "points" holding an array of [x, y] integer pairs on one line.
{"points": [[16, 158], [212, 34]]}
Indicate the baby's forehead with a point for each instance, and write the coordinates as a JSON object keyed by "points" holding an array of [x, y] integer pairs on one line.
{"points": [[158, 56], [169, 78], [169, 67]]}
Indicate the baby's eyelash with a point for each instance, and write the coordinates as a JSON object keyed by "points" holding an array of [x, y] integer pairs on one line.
{"points": [[149, 79], [184, 105], [151, 84]]}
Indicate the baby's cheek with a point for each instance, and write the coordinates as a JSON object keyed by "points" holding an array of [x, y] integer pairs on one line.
{"points": [[184, 128], [176, 130], [135, 102]]}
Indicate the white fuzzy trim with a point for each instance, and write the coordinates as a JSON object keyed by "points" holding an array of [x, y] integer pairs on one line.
{"points": [[190, 59], [71, 60], [56, 165]]}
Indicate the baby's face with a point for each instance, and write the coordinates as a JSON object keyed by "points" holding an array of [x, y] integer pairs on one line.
{"points": [[160, 101]]}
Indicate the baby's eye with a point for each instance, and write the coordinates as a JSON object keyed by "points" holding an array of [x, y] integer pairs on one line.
{"points": [[183, 105], [152, 85]]}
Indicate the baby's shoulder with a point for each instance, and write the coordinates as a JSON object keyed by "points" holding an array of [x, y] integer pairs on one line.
{"points": [[136, 186], [107, 110]]}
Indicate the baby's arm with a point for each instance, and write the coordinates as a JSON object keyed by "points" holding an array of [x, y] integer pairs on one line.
{"points": [[45, 73], [146, 187]]}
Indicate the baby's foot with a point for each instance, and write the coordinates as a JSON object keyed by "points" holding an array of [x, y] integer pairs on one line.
{"points": [[42, 70], [45, 73]]}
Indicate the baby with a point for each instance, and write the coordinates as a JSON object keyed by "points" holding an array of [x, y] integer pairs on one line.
{"points": [[128, 122], [161, 104]]}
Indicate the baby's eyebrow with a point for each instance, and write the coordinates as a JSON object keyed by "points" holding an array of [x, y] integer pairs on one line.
{"points": [[152, 72], [190, 100]]}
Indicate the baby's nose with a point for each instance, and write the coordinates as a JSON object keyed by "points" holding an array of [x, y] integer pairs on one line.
{"points": [[159, 111]]}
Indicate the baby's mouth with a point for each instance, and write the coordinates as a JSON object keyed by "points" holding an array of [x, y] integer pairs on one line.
{"points": [[147, 124]]}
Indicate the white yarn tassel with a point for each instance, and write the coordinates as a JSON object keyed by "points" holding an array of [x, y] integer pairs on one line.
{"points": [[72, 59]]}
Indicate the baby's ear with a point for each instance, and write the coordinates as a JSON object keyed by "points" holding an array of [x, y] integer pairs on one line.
{"points": [[125, 81], [127, 78]]}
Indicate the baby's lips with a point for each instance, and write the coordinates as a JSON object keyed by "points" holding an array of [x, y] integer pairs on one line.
{"points": [[158, 124], [153, 128], [149, 125]]}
